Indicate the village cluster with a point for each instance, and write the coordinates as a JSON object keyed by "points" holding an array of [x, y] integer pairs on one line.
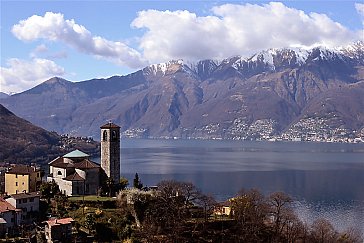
{"points": [[74, 173]]}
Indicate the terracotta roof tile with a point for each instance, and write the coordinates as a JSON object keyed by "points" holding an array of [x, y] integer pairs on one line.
{"points": [[25, 195], [56, 160], [74, 177], [53, 222], [22, 169], [86, 164], [5, 206]]}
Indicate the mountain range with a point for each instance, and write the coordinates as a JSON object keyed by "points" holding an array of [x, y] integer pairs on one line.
{"points": [[23, 142], [274, 92]]}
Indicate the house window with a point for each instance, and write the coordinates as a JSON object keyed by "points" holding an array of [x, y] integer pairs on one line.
{"points": [[18, 201], [104, 136], [31, 199], [24, 200], [59, 172]]}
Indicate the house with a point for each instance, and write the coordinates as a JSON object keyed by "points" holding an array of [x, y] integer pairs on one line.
{"points": [[9, 216], [27, 202], [223, 209], [22, 178], [58, 230], [75, 174]]}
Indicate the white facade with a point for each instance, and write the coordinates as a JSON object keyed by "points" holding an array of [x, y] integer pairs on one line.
{"points": [[27, 202]]}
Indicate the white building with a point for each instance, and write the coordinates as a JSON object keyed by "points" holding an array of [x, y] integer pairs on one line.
{"points": [[28, 203], [75, 174]]}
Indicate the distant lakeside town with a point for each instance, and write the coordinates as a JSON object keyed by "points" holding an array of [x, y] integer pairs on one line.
{"points": [[306, 130]]}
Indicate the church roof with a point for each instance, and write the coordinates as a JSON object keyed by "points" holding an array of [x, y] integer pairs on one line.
{"points": [[110, 125], [61, 163], [76, 154], [86, 164], [55, 161], [74, 177]]}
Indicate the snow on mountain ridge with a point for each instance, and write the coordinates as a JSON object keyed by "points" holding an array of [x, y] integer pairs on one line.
{"points": [[294, 55]]}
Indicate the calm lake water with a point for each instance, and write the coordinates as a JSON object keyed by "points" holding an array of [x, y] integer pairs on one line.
{"points": [[326, 180]]}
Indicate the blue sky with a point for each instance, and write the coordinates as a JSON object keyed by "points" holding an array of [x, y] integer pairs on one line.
{"points": [[80, 40]]}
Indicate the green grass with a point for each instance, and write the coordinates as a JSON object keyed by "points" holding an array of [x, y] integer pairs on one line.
{"points": [[90, 198]]}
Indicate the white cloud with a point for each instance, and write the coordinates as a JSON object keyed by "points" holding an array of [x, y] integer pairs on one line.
{"points": [[234, 29], [360, 9], [230, 29], [42, 51], [21, 75], [53, 27]]}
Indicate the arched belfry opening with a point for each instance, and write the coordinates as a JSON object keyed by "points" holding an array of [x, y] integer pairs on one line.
{"points": [[104, 136], [114, 136]]}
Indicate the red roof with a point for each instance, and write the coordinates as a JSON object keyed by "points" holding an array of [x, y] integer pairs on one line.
{"points": [[110, 125], [5, 206], [53, 222], [25, 195], [86, 164], [68, 163], [74, 177], [22, 169]]}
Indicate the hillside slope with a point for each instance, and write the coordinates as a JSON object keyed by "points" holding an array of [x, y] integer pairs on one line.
{"points": [[22, 142]]}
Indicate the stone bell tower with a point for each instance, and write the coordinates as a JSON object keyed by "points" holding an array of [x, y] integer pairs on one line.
{"points": [[110, 150]]}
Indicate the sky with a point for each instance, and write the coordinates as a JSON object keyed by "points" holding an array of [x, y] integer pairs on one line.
{"points": [[81, 40]]}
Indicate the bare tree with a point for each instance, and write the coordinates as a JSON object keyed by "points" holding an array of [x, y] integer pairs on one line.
{"points": [[250, 210], [280, 204], [137, 201], [322, 231], [350, 236], [207, 203], [294, 230]]}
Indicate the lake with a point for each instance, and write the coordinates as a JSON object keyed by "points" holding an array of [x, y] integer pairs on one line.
{"points": [[325, 179]]}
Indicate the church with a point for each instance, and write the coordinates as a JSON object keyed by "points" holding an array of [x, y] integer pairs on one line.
{"points": [[76, 174]]}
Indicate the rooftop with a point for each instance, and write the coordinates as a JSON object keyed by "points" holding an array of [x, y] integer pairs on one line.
{"points": [[86, 164], [76, 154], [22, 169], [5, 206], [53, 222], [25, 195], [74, 177], [110, 125]]}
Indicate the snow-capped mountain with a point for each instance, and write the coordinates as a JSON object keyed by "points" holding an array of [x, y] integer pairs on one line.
{"points": [[273, 89]]}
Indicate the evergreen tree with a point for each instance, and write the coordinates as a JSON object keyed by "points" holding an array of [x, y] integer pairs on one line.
{"points": [[136, 182]]}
